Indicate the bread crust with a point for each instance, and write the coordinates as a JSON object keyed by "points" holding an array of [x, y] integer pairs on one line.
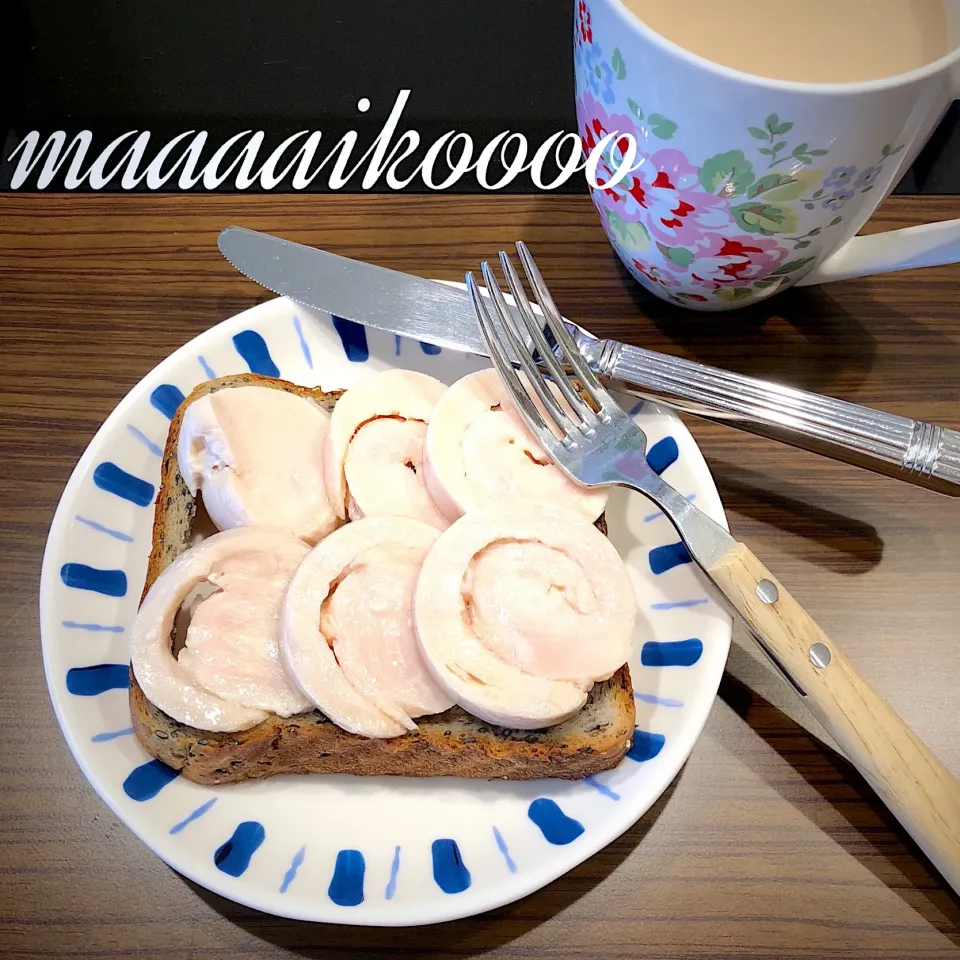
{"points": [[451, 744]]}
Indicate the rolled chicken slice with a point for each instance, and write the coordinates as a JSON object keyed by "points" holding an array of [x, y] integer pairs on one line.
{"points": [[373, 457], [256, 455], [519, 611], [478, 452], [228, 676], [347, 627]]}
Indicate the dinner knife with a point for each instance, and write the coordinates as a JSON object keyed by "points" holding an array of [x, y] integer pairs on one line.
{"points": [[919, 453]]}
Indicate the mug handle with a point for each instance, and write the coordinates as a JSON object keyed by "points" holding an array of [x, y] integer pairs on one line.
{"points": [[928, 245]]}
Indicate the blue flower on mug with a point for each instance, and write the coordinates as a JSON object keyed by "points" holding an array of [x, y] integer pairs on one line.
{"points": [[868, 176], [838, 200], [839, 176], [598, 73]]}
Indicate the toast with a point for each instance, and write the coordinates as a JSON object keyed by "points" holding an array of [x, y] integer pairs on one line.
{"points": [[450, 744]]}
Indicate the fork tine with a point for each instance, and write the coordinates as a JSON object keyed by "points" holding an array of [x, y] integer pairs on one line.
{"points": [[559, 330], [525, 405], [534, 377], [535, 329]]}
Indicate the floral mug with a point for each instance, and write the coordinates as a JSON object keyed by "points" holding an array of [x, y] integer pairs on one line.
{"points": [[744, 186]]}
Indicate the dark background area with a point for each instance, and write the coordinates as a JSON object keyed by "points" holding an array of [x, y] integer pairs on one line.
{"points": [[477, 66]]}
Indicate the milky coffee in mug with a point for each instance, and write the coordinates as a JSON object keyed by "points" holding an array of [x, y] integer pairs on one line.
{"points": [[766, 136], [814, 41]]}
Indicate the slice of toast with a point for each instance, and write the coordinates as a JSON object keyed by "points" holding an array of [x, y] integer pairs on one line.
{"points": [[450, 744]]}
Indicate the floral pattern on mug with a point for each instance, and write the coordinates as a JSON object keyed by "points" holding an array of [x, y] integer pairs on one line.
{"points": [[727, 224]]}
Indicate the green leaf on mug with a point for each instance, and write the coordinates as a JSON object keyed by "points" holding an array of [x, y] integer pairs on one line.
{"points": [[817, 194], [772, 122], [819, 153], [617, 62], [801, 245], [777, 147], [792, 266], [809, 206], [766, 284], [835, 221], [783, 128], [633, 236], [766, 150], [731, 294], [635, 108], [765, 218], [661, 127], [681, 256], [801, 148], [731, 171], [793, 186], [758, 133]]}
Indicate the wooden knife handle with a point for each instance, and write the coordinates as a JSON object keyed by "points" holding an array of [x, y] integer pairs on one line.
{"points": [[910, 780]]}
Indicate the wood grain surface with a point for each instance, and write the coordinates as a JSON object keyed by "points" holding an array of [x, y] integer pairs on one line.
{"points": [[768, 844]]}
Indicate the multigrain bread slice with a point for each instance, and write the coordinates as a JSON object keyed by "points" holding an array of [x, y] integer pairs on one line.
{"points": [[450, 744]]}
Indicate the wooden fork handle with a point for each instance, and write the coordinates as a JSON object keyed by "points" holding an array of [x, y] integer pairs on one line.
{"points": [[910, 780]]}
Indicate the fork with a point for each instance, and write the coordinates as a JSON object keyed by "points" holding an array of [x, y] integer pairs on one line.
{"points": [[597, 444]]}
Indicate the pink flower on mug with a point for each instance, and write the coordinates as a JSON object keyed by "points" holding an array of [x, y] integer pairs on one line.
{"points": [[584, 29], [655, 275], [595, 125], [677, 210], [724, 261]]}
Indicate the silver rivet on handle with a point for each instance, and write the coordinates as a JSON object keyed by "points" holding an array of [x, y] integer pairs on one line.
{"points": [[820, 655], [767, 591]]}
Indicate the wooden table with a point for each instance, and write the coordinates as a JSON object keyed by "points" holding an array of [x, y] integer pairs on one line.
{"points": [[767, 844]]}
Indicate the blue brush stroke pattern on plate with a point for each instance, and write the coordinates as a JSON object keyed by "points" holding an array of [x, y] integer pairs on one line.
{"points": [[645, 745], [671, 653], [99, 678], [100, 528], [166, 398], [430, 349], [662, 454], [656, 701], [304, 346], [109, 735], [502, 847], [602, 788], [679, 604], [295, 865], [147, 780], [112, 479], [394, 867], [233, 857], [353, 338], [111, 583], [668, 556], [206, 368], [196, 815], [346, 885], [255, 353], [154, 448], [556, 827], [91, 627], [449, 870]]}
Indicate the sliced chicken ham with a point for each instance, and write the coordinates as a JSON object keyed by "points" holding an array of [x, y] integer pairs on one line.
{"points": [[347, 627], [518, 611], [228, 675], [374, 450], [478, 452], [256, 455]]}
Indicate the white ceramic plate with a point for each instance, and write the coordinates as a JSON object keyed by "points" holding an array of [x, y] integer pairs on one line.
{"points": [[386, 851]]}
